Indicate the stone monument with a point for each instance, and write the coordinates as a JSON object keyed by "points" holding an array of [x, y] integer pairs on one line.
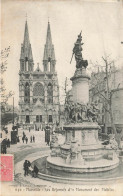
{"points": [[82, 151]]}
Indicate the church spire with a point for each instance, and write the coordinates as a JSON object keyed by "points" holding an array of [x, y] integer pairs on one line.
{"points": [[49, 54], [26, 41], [49, 38], [26, 50], [26, 56]]}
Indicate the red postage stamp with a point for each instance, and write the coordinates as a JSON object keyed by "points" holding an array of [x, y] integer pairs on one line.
{"points": [[6, 167]]}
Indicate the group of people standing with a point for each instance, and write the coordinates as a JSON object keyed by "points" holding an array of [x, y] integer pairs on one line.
{"points": [[26, 166], [4, 145], [25, 138], [32, 139]]}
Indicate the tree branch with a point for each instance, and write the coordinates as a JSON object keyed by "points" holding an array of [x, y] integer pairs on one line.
{"points": [[100, 92], [106, 109]]}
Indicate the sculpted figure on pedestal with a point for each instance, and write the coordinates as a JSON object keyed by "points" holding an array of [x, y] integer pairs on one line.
{"points": [[77, 52], [76, 112], [92, 112]]}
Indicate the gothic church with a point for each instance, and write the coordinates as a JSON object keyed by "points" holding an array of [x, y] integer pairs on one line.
{"points": [[38, 90]]}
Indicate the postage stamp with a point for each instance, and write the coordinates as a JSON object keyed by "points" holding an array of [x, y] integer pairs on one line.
{"points": [[6, 168]]}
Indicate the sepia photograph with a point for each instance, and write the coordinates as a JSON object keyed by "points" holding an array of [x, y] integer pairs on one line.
{"points": [[61, 88]]}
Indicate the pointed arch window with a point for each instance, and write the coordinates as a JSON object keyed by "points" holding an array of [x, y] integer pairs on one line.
{"points": [[27, 93], [29, 66], [50, 119], [27, 119], [22, 66], [26, 64], [38, 89], [50, 93], [49, 64]]}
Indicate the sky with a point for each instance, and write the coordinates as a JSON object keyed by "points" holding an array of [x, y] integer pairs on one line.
{"points": [[101, 24]]}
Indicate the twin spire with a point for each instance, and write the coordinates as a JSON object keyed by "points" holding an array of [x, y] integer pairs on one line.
{"points": [[26, 50], [49, 47], [26, 41], [49, 37]]}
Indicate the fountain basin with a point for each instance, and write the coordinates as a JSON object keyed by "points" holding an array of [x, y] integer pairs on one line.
{"points": [[59, 176], [101, 165]]}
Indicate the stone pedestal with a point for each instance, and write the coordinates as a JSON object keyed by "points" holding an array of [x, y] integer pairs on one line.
{"points": [[80, 86], [85, 133], [86, 137]]}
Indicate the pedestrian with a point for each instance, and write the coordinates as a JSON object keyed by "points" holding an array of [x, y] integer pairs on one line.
{"points": [[8, 143], [33, 138], [29, 129], [2, 152], [4, 146], [26, 168], [48, 136], [26, 140], [28, 163], [35, 171], [4, 149], [23, 139]]}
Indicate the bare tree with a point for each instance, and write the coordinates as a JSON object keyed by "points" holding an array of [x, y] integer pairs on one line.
{"points": [[106, 94], [3, 67]]}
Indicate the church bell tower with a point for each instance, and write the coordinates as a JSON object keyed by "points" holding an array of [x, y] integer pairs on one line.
{"points": [[25, 79], [49, 61]]}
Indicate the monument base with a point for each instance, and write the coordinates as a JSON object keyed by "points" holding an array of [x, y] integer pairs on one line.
{"points": [[82, 151], [80, 84], [101, 165]]}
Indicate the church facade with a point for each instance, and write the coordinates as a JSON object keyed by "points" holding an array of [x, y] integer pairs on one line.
{"points": [[38, 90]]}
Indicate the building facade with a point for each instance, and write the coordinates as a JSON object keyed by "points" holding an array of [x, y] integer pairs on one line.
{"points": [[38, 90], [98, 92]]}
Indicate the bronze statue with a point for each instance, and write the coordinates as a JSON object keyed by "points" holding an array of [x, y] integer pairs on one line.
{"points": [[77, 51], [76, 112], [92, 112]]}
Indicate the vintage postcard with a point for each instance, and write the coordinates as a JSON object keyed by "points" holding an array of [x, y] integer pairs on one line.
{"points": [[61, 98]]}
